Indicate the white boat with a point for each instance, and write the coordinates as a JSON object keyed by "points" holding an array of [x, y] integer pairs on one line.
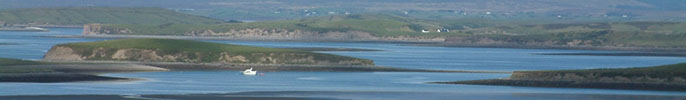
{"points": [[249, 72]]}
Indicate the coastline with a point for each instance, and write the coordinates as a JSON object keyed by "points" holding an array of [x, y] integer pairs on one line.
{"points": [[645, 51], [657, 54], [229, 38], [572, 84]]}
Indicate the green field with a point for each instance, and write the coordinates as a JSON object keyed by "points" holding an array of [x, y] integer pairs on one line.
{"points": [[105, 15]]}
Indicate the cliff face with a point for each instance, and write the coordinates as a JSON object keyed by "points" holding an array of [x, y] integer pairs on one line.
{"points": [[598, 77], [92, 29], [63, 53], [274, 34]]}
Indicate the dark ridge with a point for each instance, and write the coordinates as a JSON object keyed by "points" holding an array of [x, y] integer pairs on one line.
{"points": [[573, 84]]}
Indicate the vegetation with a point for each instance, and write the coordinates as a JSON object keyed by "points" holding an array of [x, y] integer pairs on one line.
{"points": [[377, 24], [105, 15], [615, 34], [8, 66], [664, 71], [205, 51]]}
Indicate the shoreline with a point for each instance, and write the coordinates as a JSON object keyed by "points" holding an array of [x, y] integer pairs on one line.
{"points": [[592, 48], [571, 84], [654, 54]]}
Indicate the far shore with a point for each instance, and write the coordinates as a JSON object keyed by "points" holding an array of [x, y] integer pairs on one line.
{"points": [[595, 48], [658, 54], [228, 38]]}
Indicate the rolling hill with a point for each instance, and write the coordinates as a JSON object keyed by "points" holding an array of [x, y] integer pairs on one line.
{"points": [[105, 15]]}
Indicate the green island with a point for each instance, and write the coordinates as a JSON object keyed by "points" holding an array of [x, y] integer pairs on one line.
{"points": [[190, 51], [665, 77]]}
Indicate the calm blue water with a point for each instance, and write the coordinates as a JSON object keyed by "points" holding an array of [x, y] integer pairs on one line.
{"points": [[396, 55]]}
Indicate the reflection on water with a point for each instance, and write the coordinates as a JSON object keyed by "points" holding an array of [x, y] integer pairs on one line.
{"points": [[395, 55]]}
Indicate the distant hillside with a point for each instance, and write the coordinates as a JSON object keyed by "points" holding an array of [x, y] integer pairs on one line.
{"points": [[618, 34], [665, 77], [107, 15], [188, 51], [376, 24], [652, 10]]}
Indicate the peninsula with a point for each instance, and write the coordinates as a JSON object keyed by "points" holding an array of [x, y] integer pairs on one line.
{"points": [[666, 77]]}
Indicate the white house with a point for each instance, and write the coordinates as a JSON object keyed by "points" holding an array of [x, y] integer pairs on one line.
{"points": [[425, 31]]}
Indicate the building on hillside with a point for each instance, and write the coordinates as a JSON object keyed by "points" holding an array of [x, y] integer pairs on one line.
{"points": [[442, 30], [425, 31]]}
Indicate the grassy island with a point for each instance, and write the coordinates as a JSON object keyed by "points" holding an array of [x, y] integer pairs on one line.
{"points": [[190, 51]]}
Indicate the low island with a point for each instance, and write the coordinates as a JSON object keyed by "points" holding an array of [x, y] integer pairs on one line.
{"points": [[190, 51], [666, 77]]}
